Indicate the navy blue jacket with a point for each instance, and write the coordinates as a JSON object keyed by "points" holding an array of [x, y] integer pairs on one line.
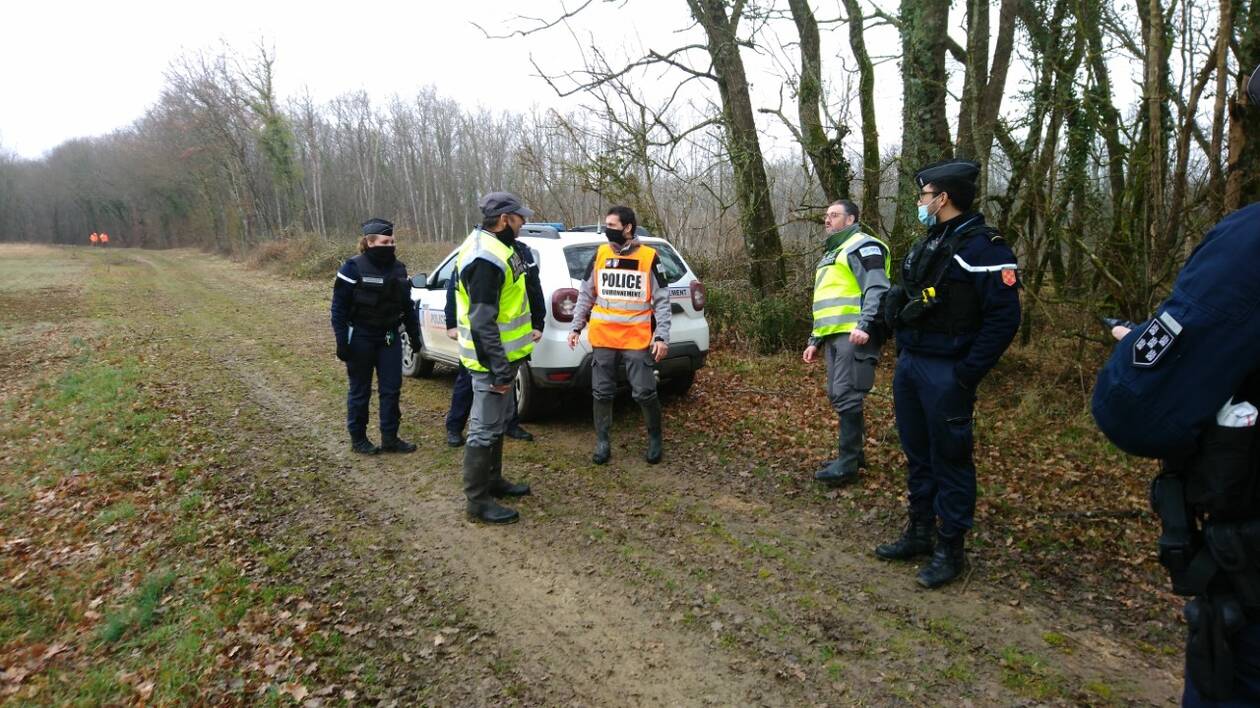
{"points": [[1158, 408], [343, 297], [986, 263]]}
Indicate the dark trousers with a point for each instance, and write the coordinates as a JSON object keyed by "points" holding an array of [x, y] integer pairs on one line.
{"points": [[934, 422], [1246, 646], [368, 354], [461, 404]]}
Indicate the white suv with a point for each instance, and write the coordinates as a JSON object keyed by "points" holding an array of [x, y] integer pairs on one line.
{"points": [[562, 257]]}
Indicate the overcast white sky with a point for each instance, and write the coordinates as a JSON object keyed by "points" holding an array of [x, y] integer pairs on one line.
{"points": [[74, 68]]}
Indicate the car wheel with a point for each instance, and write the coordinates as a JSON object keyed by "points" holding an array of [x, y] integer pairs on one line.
{"points": [[413, 363], [526, 393], [679, 385]]}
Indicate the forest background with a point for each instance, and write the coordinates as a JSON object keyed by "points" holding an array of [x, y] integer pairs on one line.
{"points": [[1112, 135]]}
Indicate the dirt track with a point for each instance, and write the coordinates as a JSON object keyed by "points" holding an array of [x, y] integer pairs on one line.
{"points": [[628, 584]]}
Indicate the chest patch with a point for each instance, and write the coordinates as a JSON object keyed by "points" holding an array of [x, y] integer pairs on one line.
{"points": [[1155, 341], [624, 285], [517, 264], [373, 280]]}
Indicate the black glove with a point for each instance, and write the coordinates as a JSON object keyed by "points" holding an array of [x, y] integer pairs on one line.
{"points": [[343, 351], [413, 340], [1111, 322]]}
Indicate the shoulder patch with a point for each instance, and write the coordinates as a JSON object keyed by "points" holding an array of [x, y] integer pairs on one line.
{"points": [[871, 250], [1009, 278], [1155, 341]]}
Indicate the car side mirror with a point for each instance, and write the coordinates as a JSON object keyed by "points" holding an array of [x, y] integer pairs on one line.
{"points": [[420, 280]]}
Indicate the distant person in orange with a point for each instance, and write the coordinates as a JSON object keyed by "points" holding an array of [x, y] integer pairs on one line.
{"points": [[94, 238], [104, 239]]}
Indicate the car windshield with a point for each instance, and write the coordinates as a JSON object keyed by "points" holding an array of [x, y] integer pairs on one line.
{"points": [[579, 257]]}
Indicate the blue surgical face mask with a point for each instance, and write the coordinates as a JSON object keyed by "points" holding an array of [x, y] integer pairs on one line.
{"points": [[928, 220]]}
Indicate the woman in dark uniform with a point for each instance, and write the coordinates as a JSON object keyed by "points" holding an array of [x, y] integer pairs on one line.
{"points": [[371, 299]]}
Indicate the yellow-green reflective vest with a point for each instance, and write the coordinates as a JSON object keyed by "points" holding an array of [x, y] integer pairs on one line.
{"points": [[837, 292], [514, 320]]}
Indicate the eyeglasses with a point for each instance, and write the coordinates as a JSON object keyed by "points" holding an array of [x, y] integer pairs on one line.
{"points": [[927, 192]]}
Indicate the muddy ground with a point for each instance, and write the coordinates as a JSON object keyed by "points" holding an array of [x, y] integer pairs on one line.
{"points": [[688, 583]]}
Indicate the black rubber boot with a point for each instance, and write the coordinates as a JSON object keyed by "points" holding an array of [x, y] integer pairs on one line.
{"points": [[946, 564], [852, 435], [363, 446], [478, 469], [916, 540], [500, 487], [652, 421], [603, 412], [393, 443]]}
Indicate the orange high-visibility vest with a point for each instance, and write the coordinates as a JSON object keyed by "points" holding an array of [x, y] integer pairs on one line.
{"points": [[104, 238], [94, 238], [621, 317]]}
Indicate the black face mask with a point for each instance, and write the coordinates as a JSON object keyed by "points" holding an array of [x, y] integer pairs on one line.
{"points": [[615, 235], [381, 256], [507, 234]]}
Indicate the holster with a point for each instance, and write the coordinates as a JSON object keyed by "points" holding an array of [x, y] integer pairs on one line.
{"points": [[1179, 542]]}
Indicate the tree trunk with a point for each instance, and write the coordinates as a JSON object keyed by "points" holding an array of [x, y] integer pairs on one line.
{"points": [[924, 126], [871, 177], [752, 187], [826, 155]]}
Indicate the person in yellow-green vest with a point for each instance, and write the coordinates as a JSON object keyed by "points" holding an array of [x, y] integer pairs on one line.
{"points": [[849, 282], [495, 334]]}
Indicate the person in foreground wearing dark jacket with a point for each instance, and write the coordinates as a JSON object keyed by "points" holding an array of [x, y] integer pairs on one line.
{"points": [[1183, 387], [955, 312], [371, 301]]}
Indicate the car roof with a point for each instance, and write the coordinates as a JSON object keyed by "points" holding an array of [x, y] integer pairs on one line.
{"points": [[576, 238]]}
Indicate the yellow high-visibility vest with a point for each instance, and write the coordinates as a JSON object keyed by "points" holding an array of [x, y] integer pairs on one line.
{"points": [[514, 320], [837, 292]]}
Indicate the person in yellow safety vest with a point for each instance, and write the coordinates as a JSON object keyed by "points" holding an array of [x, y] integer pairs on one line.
{"points": [[849, 282], [94, 239], [625, 294], [495, 334]]}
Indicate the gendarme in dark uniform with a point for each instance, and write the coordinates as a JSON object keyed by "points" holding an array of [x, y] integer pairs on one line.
{"points": [[371, 302], [956, 310], [1167, 393]]}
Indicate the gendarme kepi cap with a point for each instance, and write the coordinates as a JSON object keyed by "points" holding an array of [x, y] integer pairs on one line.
{"points": [[496, 203], [957, 177], [378, 227]]}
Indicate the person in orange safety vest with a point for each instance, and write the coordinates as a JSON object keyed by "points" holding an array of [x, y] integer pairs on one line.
{"points": [[625, 298]]}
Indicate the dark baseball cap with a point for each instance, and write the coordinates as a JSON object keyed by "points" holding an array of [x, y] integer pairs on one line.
{"points": [[496, 203], [1253, 87]]}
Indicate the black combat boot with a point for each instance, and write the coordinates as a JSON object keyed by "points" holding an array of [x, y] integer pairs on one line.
{"points": [[946, 564], [393, 443], [363, 446], [482, 507], [603, 412], [518, 433], [652, 421], [454, 438], [916, 540], [852, 436], [500, 487]]}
